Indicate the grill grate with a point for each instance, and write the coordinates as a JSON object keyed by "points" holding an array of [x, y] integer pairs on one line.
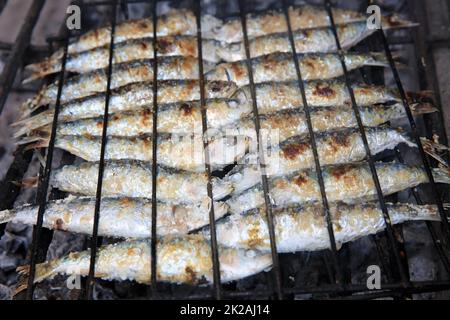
{"points": [[340, 287]]}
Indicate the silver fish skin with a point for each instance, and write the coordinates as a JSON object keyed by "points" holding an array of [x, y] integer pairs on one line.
{"points": [[180, 260], [342, 183], [294, 154], [79, 86], [304, 228], [277, 96], [132, 97], [306, 41], [178, 152], [280, 67], [301, 17], [175, 22], [130, 50], [178, 118], [324, 119], [128, 178], [119, 217]]}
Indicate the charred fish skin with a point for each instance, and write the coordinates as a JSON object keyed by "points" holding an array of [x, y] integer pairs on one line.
{"points": [[279, 67], [323, 119], [180, 260], [169, 68], [274, 21], [119, 217], [304, 228], [278, 96], [333, 147], [135, 96], [342, 183], [128, 178], [178, 152], [127, 51]]}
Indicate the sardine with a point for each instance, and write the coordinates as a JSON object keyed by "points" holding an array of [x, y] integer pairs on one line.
{"points": [[130, 50], [173, 151], [290, 123], [119, 217], [129, 178], [79, 86], [276, 96], [280, 67], [179, 260], [301, 17], [136, 96], [333, 147], [342, 183], [304, 228], [175, 22], [179, 118]]}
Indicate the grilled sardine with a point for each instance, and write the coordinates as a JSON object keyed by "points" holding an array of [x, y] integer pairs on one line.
{"points": [[342, 183], [134, 179], [119, 217]]}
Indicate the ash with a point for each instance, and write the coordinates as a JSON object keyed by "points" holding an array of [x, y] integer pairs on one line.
{"points": [[301, 269]]}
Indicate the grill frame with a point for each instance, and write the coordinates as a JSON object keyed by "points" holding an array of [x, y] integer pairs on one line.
{"points": [[339, 288]]}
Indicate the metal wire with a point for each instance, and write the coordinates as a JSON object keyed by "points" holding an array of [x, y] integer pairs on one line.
{"points": [[326, 208], [386, 217], [268, 205], [101, 165], [212, 219]]}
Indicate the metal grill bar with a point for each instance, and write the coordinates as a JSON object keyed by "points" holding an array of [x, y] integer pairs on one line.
{"points": [[326, 208], [18, 50], [268, 205], [369, 157], [413, 126], [44, 181], [212, 220], [154, 153], [101, 165]]}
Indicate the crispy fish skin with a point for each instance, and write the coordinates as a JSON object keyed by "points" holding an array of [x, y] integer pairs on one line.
{"points": [[277, 96], [333, 147], [129, 178], [178, 152], [274, 21], [132, 97], [180, 260], [169, 68], [181, 118], [280, 67], [324, 119], [304, 228], [119, 217], [130, 50], [342, 183]]}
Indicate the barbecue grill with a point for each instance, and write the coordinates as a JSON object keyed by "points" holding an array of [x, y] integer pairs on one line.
{"points": [[334, 276]]}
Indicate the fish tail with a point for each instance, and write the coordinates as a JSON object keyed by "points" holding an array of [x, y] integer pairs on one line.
{"points": [[40, 121], [6, 216], [43, 271], [422, 108], [433, 149], [395, 22], [406, 138], [442, 174], [42, 69], [377, 59]]}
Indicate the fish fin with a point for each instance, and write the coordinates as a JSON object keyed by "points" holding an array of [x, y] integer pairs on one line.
{"points": [[6, 216], [433, 148], [395, 22], [378, 59], [39, 122], [441, 174], [422, 108], [41, 69], [41, 143], [44, 271]]}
